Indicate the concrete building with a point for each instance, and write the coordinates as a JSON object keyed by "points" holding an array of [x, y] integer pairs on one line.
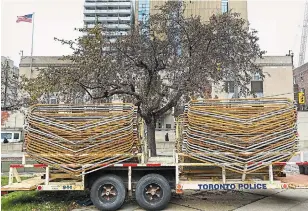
{"points": [[12, 125], [300, 75], [39, 62], [278, 81], [206, 8], [116, 16]]}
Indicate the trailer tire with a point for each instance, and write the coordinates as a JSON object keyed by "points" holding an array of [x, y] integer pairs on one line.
{"points": [[153, 192], [108, 193]]}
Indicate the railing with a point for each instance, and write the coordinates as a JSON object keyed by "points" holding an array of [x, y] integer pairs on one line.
{"points": [[107, 19], [105, 11], [93, 4], [113, 26]]}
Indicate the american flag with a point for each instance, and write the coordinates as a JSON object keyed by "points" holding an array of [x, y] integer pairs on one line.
{"points": [[24, 18]]}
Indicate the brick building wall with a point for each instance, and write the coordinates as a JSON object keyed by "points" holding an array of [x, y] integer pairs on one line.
{"points": [[300, 76]]}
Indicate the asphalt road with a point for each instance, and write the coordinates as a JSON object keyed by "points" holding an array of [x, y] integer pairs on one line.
{"points": [[264, 200]]}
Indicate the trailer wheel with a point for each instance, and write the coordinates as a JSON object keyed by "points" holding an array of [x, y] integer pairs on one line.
{"points": [[108, 193], [153, 192]]}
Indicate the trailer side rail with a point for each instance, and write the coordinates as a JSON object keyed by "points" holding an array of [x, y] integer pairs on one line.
{"points": [[48, 185]]}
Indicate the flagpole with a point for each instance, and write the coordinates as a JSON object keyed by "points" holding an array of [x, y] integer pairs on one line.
{"points": [[32, 44]]}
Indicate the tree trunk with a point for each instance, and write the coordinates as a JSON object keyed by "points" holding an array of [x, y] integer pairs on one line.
{"points": [[151, 136]]}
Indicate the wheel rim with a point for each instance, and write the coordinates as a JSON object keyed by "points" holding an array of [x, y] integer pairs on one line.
{"points": [[153, 193], [107, 193]]}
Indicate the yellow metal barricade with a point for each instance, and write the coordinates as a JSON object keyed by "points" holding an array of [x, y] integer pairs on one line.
{"points": [[243, 131], [90, 135]]}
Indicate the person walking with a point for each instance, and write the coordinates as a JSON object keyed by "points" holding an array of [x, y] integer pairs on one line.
{"points": [[166, 137]]}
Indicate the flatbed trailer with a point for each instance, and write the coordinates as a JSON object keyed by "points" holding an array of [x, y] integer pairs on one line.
{"points": [[152, 180]]}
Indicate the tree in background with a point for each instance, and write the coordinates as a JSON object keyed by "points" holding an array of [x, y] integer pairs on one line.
{"points": [[11, 98], [157, 64], [4, 117]]}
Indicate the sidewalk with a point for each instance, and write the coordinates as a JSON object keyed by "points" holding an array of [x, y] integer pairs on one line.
{"points": [[265, 200]]}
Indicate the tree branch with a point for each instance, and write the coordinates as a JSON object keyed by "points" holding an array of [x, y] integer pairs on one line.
{"points": [[108, 93], [170, 104]]}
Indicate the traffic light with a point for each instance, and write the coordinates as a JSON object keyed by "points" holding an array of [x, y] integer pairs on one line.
{"points": [[301, 98]]}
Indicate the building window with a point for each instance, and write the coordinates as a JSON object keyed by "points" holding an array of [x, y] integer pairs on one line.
{"points": [[224, 6], [256, 77], [229, 86], [168, 126], [53, 100], [257, 86], [6, 135], [16, 135]]}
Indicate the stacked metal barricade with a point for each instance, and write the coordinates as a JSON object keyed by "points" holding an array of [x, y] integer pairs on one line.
{"points": [[240, 133], [81, 139]]}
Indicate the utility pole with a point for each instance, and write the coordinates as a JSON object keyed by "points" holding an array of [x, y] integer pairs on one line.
{"points": [[32, 45]]}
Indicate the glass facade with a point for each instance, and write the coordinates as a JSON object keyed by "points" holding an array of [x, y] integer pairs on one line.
{"points": [[224, 6], [143, 10]]}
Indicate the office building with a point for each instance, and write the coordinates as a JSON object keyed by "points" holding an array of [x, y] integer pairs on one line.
{"points": [[116, 16], [142, 10], [300, 75], [206, 8], [28, 66]]}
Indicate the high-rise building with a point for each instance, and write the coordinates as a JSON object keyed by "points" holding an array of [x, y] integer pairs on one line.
{"points": [[116, 16], [142, 10]]}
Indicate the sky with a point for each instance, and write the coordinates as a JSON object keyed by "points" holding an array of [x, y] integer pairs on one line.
{"points": [[279, 23]]}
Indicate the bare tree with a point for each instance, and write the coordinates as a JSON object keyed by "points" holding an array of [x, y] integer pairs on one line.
{"points": [[10, 87], [159, 62]]}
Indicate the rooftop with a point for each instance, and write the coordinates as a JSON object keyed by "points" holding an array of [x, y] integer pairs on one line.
{"points": [[43, 61], [275, 61], [301, 69]]}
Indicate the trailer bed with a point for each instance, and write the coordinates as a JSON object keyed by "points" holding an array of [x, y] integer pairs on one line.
{"points": [[24, 185]]}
